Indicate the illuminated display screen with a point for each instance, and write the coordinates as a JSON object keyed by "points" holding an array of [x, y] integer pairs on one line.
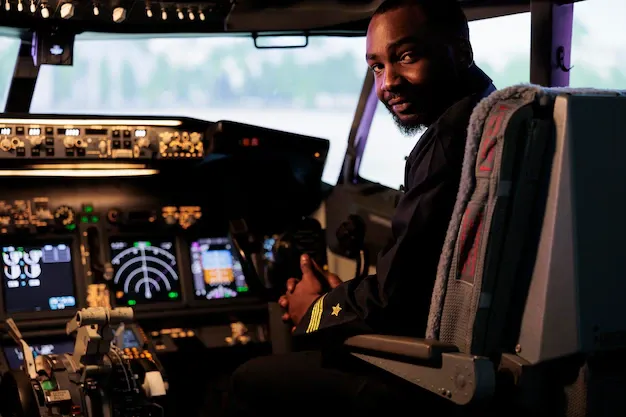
{"points": [[268, 249], [69, 132], [141, 133], [216, 269], [5, 131], [144, 272], [130, 340], [15, 357], [34, 131], [37, 278]]}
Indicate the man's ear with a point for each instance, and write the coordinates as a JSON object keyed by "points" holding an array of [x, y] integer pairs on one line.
{"points": [[464, 54]]}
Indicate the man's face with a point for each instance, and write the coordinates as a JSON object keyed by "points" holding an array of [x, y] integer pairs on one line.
{"points": [[412, 67]]}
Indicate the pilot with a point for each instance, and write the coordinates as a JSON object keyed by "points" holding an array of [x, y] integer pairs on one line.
{"points": [[422, 61]]}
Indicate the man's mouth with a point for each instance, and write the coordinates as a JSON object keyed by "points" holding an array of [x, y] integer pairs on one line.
{"points": [[399, 104], [401, 107]]}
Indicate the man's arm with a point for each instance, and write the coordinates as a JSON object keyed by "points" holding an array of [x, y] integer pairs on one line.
{"points": [[398, 296]]}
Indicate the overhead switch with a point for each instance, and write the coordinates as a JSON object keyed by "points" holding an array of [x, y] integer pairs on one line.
{"points": [[119, 14], [67, 10]]}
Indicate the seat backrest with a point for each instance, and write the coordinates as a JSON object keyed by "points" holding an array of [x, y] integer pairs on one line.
{"points": [[531, 262]]}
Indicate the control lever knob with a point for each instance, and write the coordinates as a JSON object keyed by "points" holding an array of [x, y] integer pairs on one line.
{"points": [[153, 384]]}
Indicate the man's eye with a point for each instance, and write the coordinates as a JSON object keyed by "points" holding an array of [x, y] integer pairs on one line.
{"points": [[376, 68], [408, 58]]}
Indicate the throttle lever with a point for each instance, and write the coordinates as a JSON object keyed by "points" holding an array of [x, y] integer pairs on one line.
{"points": [[29, 358]]}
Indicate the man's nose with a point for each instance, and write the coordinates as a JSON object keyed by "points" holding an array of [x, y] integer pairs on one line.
{"points": [[391, 79]]}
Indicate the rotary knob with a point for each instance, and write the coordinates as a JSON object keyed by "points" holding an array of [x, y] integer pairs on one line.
{"points": [[36, 140], [143, 142], [69, 142], [65, 215], [5, 144], [166, 137], [195, 137]]}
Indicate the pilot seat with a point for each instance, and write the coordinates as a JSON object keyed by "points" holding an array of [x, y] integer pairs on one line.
{"points": [[526, 316]]}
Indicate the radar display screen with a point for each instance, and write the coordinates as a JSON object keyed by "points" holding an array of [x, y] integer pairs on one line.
{"points": [[15, 357], [216, 269], [37, 278], [145, 272]]}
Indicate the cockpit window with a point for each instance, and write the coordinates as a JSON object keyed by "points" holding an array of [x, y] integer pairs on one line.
{"points": [[312, 91], [501, 48], [598, 48], [9, 48]]}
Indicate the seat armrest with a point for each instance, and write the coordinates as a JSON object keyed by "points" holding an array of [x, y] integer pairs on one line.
{"points": [[434, 366], [427, 350]]}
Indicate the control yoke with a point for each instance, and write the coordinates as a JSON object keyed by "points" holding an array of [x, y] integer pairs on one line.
{"points": [[351, 237]]}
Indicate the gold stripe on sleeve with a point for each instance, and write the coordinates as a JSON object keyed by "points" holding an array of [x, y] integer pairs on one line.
{"points": [[316, 315]]}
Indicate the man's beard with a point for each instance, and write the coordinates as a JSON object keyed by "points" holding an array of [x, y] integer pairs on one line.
{"points": [[407, 129], [430, 100]]}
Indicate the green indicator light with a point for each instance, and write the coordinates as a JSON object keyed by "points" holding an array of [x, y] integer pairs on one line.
{"points": [[242, 289], [142, 244], [88, 209], [95, 219], [84, 219], [70, 227], [172, 294], [132, 302], [48, 385]]}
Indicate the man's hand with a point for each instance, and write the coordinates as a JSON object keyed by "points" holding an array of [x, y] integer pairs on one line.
{"points": [[301, 294]]}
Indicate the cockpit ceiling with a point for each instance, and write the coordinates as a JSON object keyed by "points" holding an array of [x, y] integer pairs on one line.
{"points": [[217, 16]]}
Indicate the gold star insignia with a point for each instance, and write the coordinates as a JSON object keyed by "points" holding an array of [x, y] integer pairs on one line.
{"points": [[336, 310]]}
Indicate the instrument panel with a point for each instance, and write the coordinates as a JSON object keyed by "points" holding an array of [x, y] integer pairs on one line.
{"points": [[141, 270], [97, 139], [136, 212], [129, 211]]}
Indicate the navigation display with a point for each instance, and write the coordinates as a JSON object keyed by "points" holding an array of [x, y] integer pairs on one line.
{"points": [[15, 357], [130, 339], [37, 278], [145, 272], [216, 269]]}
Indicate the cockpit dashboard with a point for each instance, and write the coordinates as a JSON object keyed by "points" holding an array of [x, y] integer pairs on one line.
{"points": [[136, 212]]}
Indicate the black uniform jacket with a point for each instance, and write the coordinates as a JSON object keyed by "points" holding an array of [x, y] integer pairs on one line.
{"points": [[396, 299]]}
